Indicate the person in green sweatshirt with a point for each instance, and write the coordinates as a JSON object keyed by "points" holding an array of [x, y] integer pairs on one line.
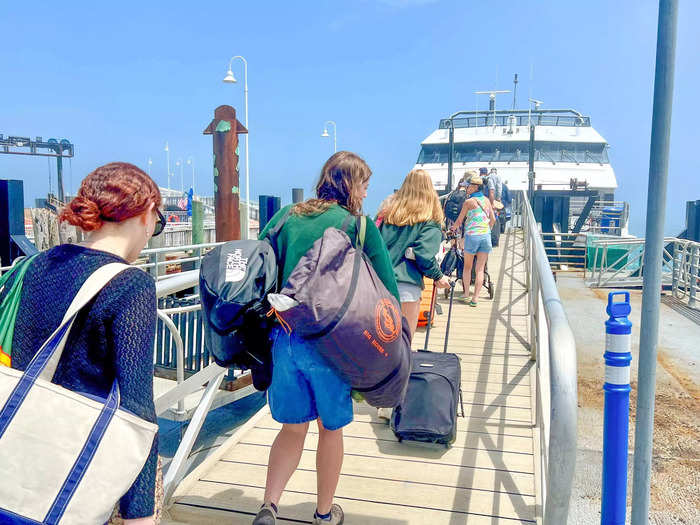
{"points": [[304, 387], [411, 229]]}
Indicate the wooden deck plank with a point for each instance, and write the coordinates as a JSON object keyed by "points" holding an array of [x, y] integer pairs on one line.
{"points": [[384, 490], [405, 470], [365, 413], [456, 455], [487, 476], [299, 508], [380, 430]]}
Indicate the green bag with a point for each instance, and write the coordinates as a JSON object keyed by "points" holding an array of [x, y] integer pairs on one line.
{"points": [[10, 307]]}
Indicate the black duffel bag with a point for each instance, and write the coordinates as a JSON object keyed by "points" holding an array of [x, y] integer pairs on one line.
{"points": [[234, 281]]}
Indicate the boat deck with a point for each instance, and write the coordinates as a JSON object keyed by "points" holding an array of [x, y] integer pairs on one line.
{"points": [[487, 476]]}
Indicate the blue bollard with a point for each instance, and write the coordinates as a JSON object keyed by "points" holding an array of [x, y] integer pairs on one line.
{"points": [[618, 334]]}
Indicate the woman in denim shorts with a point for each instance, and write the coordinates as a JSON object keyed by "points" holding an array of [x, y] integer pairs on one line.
{"points": [[478, 217], [304, 386]]}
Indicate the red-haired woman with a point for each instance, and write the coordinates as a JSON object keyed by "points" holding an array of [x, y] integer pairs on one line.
{"points": [[117, 206]]}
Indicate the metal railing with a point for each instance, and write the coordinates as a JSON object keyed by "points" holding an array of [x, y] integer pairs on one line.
{"points": [[184, 255], [179, 233], [517, 120], [619, 262], [566, 251], [554, 350], [685, 279], [207, 379], [605, 217]]}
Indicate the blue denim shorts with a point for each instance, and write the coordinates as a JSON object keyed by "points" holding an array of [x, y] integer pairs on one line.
{"points": [[304, 387], [477, 243]]}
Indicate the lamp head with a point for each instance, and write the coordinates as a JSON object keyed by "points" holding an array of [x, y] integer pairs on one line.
{"points": [[325, 133], [229, 78]]}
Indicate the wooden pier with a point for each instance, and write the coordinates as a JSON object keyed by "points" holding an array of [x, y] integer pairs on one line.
{"points": [[487, 477]]}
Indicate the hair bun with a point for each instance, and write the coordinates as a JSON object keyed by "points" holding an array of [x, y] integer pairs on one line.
{"points": [[83, 213]]}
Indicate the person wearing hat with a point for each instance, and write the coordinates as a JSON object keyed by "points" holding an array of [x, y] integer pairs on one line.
{"points": [[478, 217]]}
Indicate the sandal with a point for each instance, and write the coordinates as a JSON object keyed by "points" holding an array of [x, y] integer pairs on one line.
{"points": [[473, 303]]}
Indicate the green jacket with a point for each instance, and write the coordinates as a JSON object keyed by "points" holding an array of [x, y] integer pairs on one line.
{"points": [[300, 233], [424, 238]]}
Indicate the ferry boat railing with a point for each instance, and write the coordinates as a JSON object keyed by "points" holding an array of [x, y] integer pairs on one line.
{"points": [[553, 349], [619, 262], [208, 378], [566, 252]]}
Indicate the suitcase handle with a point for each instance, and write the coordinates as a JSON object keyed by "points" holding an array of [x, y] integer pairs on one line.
{"points": [[449, 313]]}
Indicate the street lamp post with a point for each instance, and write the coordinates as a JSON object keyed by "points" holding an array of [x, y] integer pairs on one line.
{"points": [[335, 134], [182, 179], [229, 78], [190, 161], [167, 155]]}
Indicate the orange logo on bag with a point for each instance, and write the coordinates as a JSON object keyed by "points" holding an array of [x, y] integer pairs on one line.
{"points": [[387, 321]]}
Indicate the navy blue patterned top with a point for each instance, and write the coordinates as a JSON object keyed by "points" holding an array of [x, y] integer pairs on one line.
{"points": [[112, 337]]}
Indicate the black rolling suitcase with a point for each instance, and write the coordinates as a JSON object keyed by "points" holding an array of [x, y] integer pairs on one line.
{"points": [[428, 413]]}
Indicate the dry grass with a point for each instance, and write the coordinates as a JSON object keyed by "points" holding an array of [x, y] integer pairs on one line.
{"points": [[675, 479]]}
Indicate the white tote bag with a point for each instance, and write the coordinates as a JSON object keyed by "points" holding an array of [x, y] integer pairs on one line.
{"points": [[65, 458]]}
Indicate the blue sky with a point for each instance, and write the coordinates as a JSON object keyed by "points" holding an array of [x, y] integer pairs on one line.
{"points": [[120, 78]]}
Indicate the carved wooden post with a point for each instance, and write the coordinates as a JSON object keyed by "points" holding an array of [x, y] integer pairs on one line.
{"points": [[225, 129]]}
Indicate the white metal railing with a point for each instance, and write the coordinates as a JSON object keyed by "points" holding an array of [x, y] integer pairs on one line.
{"points": [[158, 257], [619, 262], [601, 218], [685, 280], [211, 376], [553, 348]]}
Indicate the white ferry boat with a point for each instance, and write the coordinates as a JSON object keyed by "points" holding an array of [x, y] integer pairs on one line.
{"points": [[566, 149]]}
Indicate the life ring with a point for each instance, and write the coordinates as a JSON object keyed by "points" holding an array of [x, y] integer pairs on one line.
{"points": [[173, 218]]}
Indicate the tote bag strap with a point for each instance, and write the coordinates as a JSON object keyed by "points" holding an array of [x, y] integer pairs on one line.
{"points": [[45, 361], [43, 365]]}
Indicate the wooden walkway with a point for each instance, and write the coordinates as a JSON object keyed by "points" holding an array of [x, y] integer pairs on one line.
{"points": [[487, 477]]}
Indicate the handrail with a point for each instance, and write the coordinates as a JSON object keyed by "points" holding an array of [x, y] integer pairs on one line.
{"points": [[553, 347], [211, 376]]}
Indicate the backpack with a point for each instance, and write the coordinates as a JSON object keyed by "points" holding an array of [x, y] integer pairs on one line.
{"points": [[335, 302], [453, 204], [234, 281]]}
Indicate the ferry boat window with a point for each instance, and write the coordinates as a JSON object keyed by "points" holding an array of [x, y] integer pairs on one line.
{"points": [[579, 152], [515, 151], [433, 154]]}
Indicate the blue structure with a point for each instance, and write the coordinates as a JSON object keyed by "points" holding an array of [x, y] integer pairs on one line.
{"points": [[618, 334]]}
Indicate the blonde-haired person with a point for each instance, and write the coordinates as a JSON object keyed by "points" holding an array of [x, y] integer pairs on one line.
{"points": [[411, 229], [478, 217]]}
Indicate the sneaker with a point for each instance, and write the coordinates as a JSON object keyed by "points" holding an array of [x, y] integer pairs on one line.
{"points": [[267, 515], [337, 517], [384, 413]]}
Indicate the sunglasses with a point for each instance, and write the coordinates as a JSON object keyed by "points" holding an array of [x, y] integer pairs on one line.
{"points": [[160, 224]]}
